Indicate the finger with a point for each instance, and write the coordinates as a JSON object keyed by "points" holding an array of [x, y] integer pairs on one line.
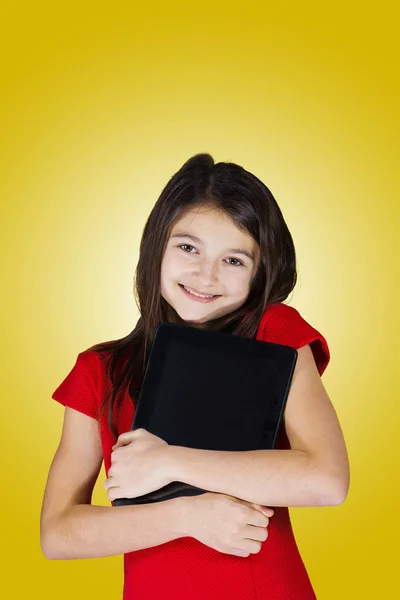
{"points": [[113, 493], [116, 452], [109, 483], [259, 508], [125, 438], [238, 552], [252, 546], [119, 444], [265, 510], [122, 444], [257, 518], [259, 534]]}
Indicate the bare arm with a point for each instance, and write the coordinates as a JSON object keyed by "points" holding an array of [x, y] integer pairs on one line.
{"points": [[314, 472], [70, 527]]}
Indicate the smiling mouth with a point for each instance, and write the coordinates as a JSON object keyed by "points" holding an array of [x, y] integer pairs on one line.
{"points": [[198, 294]]}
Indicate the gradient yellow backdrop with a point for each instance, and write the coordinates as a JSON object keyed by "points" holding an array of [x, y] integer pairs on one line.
{"points": [[101, 104]]}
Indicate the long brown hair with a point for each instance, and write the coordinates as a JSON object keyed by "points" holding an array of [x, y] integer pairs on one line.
{"points": [[254, 209]]}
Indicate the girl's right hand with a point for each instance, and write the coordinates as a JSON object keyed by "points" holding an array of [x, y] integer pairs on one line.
{"points": [[227, 524]]}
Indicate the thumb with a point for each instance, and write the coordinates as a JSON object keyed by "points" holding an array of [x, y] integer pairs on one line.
{"points": [[266, 510], [124, 439]]}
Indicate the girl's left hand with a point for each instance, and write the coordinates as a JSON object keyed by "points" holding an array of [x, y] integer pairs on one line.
{"points": [[138, 465]]}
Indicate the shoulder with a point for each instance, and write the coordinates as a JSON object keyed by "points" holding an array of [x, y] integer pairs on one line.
{"points": [[94, 357], [92, 363], [279, 316], [83, 386], [283, 324]]}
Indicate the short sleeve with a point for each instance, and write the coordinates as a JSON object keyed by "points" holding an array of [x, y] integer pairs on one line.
{"points": [[78, 390], [283, 324]]}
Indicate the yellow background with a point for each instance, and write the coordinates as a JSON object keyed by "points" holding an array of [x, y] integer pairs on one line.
{"points": [[101, 104]]}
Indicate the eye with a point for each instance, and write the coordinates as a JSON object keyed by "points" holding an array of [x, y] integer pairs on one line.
{"points": [[187, 246], [238, 264]]}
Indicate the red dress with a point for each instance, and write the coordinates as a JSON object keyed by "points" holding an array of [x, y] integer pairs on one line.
{"points": [[186, 569]]}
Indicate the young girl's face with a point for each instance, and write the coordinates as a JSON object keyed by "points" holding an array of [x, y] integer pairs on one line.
{"points": [[209, 255]]}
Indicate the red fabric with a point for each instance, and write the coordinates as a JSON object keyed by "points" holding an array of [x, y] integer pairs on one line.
{"points": [[186, 569]]}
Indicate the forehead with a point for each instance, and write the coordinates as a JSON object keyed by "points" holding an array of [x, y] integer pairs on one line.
{"points": [[206, 220]]}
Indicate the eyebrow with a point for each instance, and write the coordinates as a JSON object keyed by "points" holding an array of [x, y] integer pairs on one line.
{"points": [[197, 240]]}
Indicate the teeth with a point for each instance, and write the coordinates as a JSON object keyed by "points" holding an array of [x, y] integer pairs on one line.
{"points": [[199, 295]]}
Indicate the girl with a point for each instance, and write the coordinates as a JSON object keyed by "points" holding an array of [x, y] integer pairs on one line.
{"points": [[215, 253]]}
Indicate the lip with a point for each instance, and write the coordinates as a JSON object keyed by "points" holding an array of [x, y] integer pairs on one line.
{"points": [[197, 298]]}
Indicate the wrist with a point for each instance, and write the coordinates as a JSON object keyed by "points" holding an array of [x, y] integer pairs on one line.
{"points": [[182, 517], [173, 459]]}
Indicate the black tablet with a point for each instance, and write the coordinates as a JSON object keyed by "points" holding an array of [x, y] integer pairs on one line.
{"points": [[214, 391]]}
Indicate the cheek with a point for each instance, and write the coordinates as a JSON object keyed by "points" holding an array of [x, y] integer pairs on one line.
{"points": [[164, 276], [169, 269], [238, 284]]}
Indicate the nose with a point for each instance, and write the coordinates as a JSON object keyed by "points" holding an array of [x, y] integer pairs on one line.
{"points": [[206, 272]]}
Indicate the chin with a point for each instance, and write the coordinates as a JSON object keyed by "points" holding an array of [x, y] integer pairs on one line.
{"points": [[192, 317]]}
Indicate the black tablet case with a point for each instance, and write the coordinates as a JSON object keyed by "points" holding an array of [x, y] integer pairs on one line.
{"points": [[214, 391]]}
